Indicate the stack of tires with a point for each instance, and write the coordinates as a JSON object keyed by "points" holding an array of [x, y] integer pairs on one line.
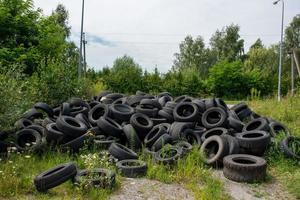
{"points": [[163, 127]]}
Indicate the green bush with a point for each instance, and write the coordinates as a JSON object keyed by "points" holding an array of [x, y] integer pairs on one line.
{"points": [[186, 81], [16, 96], [57, 83], [228, 79], [125, 76], [53, 84]]}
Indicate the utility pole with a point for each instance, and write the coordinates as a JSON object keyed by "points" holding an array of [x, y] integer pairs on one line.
{"points": [[84, 53], [292, 74], [81, 35], [280, 50]]}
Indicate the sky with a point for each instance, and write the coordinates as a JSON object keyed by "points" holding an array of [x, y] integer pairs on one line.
{"points": [[150, 30]]}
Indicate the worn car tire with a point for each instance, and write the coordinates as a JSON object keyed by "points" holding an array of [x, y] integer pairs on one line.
{"points": [[285, 147], [244, 168], [55, 176], [214, 117], [186, 112], [71, 126], [254, 142], [132, 138], [257, 124], [104, 178], [132, 168], [214, 149], [214, 131], [121, 152]]}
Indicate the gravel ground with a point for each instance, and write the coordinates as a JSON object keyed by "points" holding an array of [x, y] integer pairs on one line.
{"points": [[241, 191], [140, 189]]}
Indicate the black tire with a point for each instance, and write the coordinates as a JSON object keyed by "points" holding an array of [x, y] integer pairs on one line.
{"points": [[161, 142], [162, 94], [55, 176], [103, 142], [71, 126], [142, 124], [75, 144], [3, 149], [234, 147], [121, 112], [214, 131], [285, 147], [244, 114], [163, 100], [44, 107], [239, 107], [120, 101], [166, 115], [244, 168], [177, 129], [221, 104], [183, 98], [65, 109], [186, 146], [235, 124], [38, 128], [83, 118], [23, 123], [214, 149], [277, 127], [28, 140], [157, 121], [214, 117], [156, 132], [134, 100], [32, 114], [121, 152], [150, 112], [114, 96], [168, 155], [132, 168], [77, 110], [47, 121], [110, 127], [210, 103], [254, 142], [186, 112], [151, 103], [56, 111], [133, 140], [53, 135], [100, 110], [104, 178], [102, 94], [260, 124], [192, 137]]}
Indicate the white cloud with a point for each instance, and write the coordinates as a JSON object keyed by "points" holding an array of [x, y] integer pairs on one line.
{"points": [[150, 31]]}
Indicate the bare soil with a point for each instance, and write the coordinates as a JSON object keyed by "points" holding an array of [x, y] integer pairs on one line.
{"points": [[141, 188]]}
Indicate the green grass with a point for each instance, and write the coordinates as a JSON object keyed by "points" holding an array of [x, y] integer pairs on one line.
{"points": [[18, 171], [190, 172], [287, 171]]}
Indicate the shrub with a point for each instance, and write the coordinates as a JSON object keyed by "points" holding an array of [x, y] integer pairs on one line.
{"points": [[228, 79]]}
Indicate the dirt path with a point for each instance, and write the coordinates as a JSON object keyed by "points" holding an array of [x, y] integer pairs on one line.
{"points": [[241, 191], [140, 189]]}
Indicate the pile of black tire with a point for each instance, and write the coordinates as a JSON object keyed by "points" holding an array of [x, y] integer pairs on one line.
{"points": [[160, 126]]}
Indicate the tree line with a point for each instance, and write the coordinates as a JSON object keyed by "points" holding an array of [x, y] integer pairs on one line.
{"points": [[38, 62], [221, 68]]}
